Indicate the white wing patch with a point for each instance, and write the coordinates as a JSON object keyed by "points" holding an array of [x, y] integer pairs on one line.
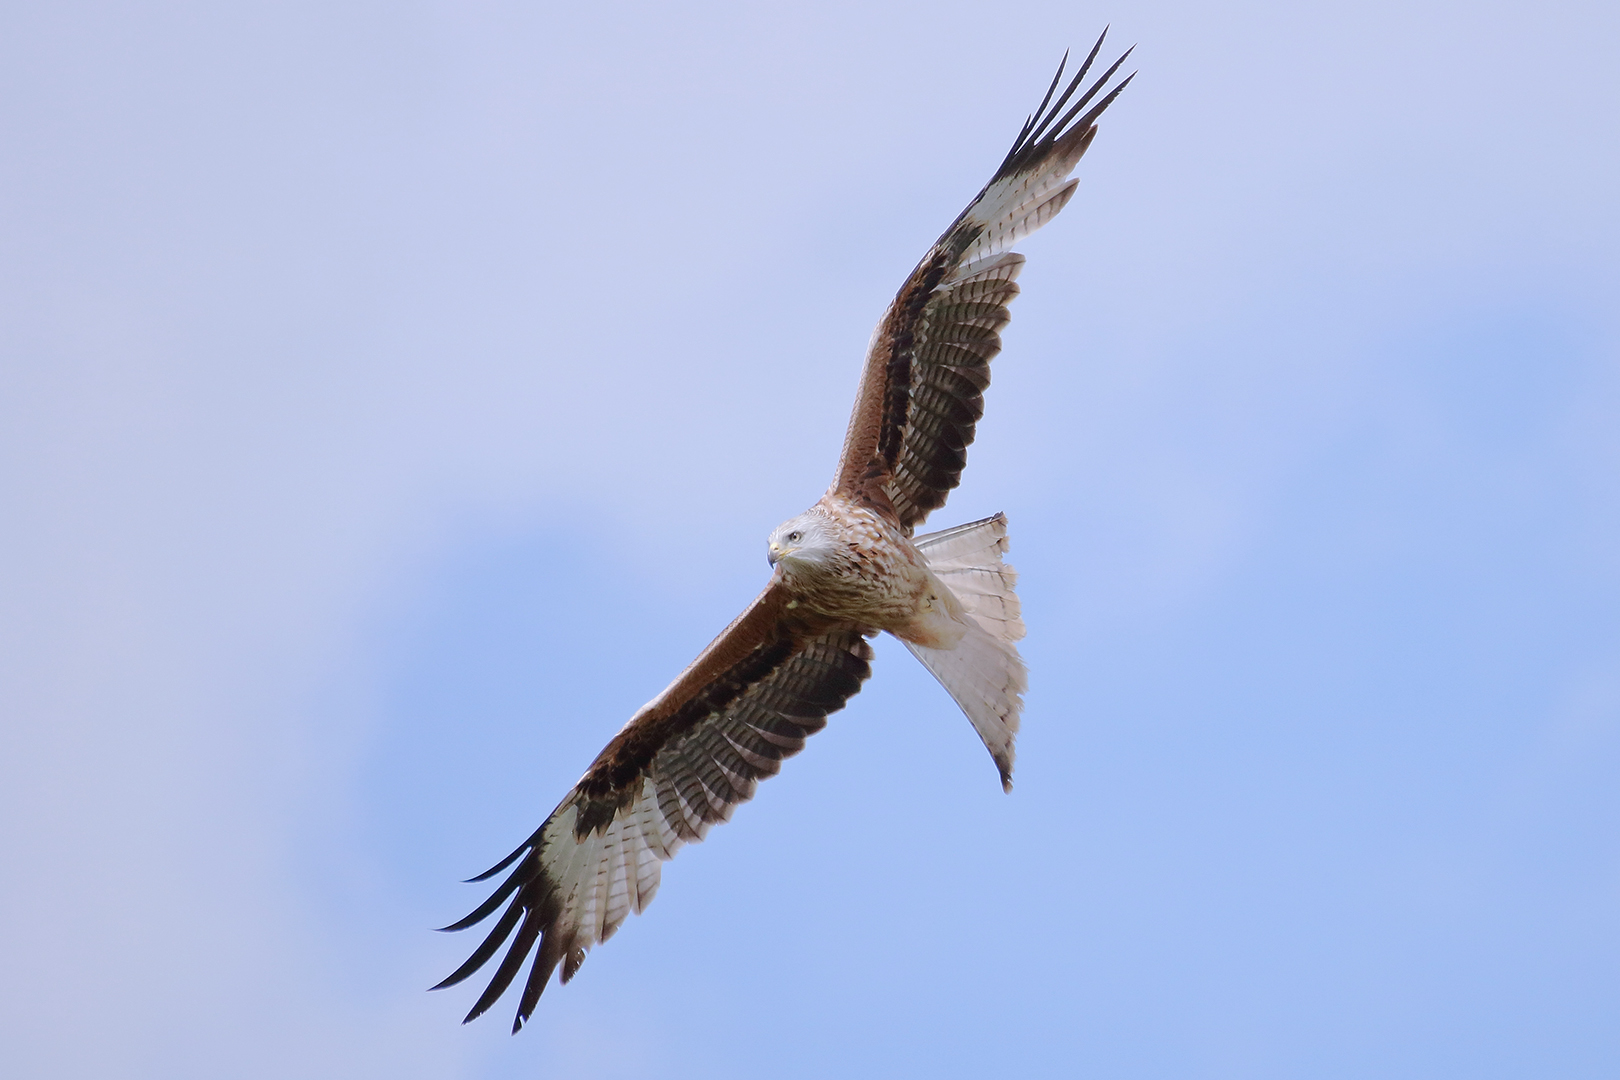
{"points": [[603, 878], [1022, 205]]}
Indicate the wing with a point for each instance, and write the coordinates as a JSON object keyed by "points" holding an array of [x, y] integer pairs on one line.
{"points": [[922, 390], [682, 763]]}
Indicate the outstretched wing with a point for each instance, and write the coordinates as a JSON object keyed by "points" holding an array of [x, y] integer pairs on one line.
{"points": [[922, 390], [682, 763]]}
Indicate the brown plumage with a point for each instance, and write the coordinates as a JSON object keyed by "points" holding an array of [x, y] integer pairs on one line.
{"points": [[844, 570]]}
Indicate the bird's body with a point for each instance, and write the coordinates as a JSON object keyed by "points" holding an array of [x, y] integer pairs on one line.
{"points": [[860, 570], [846, 569]]}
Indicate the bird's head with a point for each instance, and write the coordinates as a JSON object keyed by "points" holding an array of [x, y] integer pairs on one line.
{"points": [[806, 540]]}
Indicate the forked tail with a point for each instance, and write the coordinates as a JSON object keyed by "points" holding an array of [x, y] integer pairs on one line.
{"points": [[983, 672]]}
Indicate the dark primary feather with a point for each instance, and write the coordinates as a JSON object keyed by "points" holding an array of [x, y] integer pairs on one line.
{"points": [[1033, 141]]}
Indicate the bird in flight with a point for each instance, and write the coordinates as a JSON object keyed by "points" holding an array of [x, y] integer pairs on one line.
{"points": [[845, 569]]}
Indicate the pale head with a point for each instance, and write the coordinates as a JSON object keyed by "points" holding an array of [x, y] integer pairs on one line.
{"points": [[807, 540]]}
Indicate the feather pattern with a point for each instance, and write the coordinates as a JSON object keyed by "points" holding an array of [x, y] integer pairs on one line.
{"points": [[922, 390], [585, 871]]}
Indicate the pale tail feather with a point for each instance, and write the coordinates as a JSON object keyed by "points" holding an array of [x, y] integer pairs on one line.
{"points": [[983, 672]]}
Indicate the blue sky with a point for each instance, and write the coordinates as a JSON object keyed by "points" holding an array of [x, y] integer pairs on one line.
{"points": [[392, 398]]}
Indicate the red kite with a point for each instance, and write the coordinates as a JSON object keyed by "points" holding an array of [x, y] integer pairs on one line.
{"points": [[845, 569]]}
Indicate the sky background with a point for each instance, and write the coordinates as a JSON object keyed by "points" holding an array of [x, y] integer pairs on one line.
{"points": [[395, 396]]}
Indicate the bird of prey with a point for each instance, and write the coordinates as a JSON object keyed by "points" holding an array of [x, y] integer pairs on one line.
{"points": [[845, 569]]}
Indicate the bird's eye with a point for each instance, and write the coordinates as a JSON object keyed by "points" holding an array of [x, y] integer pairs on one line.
{"points": [[795, 537]]}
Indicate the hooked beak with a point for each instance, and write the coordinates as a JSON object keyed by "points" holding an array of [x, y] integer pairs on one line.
{"points": [[773, 553]]}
